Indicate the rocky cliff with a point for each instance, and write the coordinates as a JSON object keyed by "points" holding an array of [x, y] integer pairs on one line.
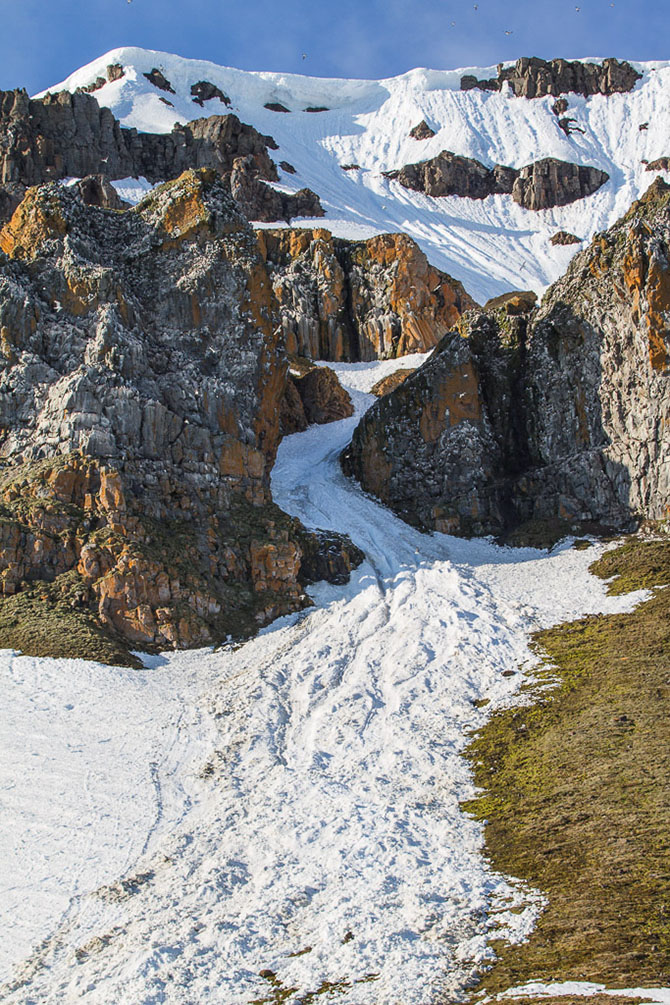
{"points": [[358, 300], [543, 184], [140, 390], [531, 77], [69, 135], [558, 414]]}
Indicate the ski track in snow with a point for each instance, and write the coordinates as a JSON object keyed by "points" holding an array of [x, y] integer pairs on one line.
{"points": [[290, 805], [491, 245]]}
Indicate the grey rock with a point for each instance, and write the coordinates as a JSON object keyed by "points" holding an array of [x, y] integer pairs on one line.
{"points": [[554, 415], [531, 77]]}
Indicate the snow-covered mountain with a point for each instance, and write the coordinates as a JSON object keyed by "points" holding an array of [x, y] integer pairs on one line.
{"points": [[490, 245]]}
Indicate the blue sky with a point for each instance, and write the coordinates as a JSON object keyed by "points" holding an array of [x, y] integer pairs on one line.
{"points": [[44, 40]]}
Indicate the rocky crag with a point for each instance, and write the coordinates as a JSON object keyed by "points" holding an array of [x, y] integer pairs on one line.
{"points": [[358, 300], [140, 395], [543, 184], [531, 77], [70, 136], [556, 415]]}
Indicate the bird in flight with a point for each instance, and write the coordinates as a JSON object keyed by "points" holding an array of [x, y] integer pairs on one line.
{"points": [[509, 33]]}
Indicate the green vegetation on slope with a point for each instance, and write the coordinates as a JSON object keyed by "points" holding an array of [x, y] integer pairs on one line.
{"points": [[577, 793]]}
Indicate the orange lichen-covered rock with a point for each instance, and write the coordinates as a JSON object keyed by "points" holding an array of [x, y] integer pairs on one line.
{"points": [[349, 300], [142, 378], [554, 414]]}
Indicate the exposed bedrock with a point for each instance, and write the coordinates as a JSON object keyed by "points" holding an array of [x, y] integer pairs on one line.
{"points": [[540, 185], [531, 77], [559, 414], [314, 396], [358, 300], [141, 380], [69, 135]]}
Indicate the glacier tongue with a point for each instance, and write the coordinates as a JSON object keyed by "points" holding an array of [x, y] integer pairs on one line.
{"points": [[285, 813]]}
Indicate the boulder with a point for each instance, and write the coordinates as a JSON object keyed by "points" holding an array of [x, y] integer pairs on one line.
{"points": [[323, 397], [204, 91]]}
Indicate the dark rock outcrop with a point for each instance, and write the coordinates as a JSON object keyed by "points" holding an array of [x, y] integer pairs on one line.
{"points": [[541, 185], [204, 91], [531, 77], [276, 106], [159, 80], [550, 182], [70, 135], [555, 416], [141, 377], [259, 201], [514, 303], [661, 164], [114, 72], [97, 190], [564, 237], [422, 131], [323, 397], [358, 300]]}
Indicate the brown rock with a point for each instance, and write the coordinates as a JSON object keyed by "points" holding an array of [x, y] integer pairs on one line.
{"points": [[276, 106], [515, 303], [389, 383], [562, 237], [531, 77], [660, 164], [422, 131], [323, 397], [342, 300]]}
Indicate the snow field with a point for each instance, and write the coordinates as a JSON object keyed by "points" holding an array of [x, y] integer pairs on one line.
{"points": [[291, 806], [491, 245]]}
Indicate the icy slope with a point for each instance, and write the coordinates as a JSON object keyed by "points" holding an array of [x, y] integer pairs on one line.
{"points": [[491, 246], [289, 808]]}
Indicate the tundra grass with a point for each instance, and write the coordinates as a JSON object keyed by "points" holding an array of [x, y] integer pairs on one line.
{"points": [[576, 791]]}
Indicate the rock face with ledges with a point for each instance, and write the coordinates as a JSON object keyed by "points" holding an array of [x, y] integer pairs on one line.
{"points": [[358, 300], [560, 414], [69, 135], [540, 185], [531, 77], [140, 388]]}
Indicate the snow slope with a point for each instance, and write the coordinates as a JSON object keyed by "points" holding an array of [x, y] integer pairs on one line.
{"points": [[288, 810], [492, 245]]}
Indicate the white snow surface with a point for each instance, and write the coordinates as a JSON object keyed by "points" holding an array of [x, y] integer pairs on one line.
{"points": [[583, 989], [290, 805], [491, 245]]}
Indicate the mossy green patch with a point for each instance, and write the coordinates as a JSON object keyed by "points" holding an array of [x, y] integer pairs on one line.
{"points": [[52, 619], [576, 794]]}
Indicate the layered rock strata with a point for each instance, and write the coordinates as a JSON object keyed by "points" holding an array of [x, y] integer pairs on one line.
{"points": [[560, 414], [358, 300], [140, 390], [70, 136], [540, 185], [531, 77]]}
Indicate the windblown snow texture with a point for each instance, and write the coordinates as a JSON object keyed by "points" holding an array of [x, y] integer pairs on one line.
{"points": [[492, 245]]}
